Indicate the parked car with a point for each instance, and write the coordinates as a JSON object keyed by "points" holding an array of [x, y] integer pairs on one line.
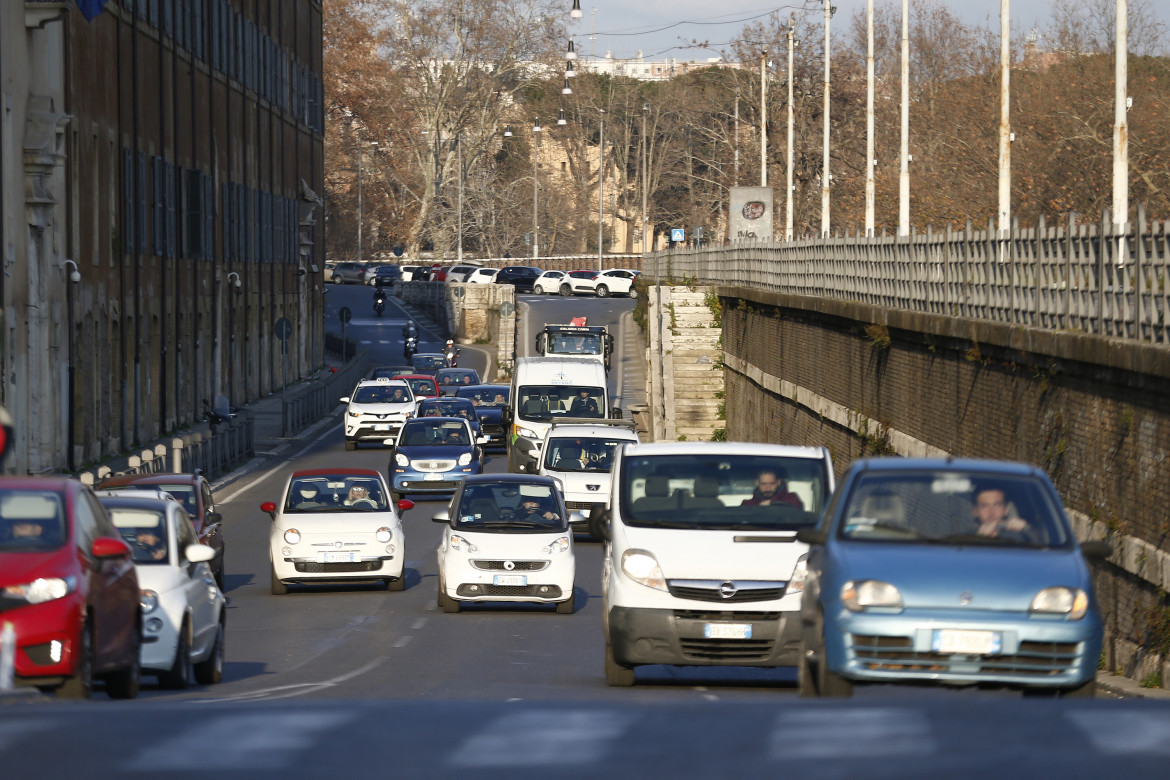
{"points": [[506, 538], [616, 281], [429, 362], [376, 410], [578, 282], [451, 379], [327, 274], [449, 406], [183, 610], [336, 525], [548, 282], [422, 385], [522, 277], [489, 402], [193, 491], [439, 272], [959, 572], [384, 275], [69, 589], [408, 272], [483, 276], [349, 273], [433, 455], [459, 273]]}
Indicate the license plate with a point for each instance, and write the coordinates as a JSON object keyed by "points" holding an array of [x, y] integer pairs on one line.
{"points": [[382, 426], [510, 579], [432, 478], [339, 557], [949, 640], [727, 630]]}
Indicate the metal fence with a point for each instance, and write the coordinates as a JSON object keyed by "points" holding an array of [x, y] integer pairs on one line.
{"points": [[1085, 278], [306, 407]]}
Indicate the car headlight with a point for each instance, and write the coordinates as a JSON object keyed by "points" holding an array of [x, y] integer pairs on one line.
{"points": [[147, 601], [461, 544], [354, 414], [642, 567], [1072, 602], [465, 459], [41, 590], [527, 433], [558, 545], [799, 575], [866, 594], [292, 536], [401, 460], [383, 534]]}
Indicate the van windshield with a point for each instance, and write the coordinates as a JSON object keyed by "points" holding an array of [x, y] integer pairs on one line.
{"points": [[718, 492], [545, 402]]}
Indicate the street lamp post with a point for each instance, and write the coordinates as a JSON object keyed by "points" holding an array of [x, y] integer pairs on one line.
{"points": [[361, 146], [535, 190], [645, 173], [764, 117], [788, 176], [600, 190], [459, 203]]}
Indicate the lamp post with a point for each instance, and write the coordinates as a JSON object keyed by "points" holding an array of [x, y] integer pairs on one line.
{"points": [[535, 190], [234, 283], [792, 42], [645, 172], [764, 117], [825, 163], [361, 146], [600, 190], [459, 202]]}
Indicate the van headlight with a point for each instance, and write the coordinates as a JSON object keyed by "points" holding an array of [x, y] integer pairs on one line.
{"points": [[523, 432], [867, 594], [1070, 602], [799, 575], [642, 567]]}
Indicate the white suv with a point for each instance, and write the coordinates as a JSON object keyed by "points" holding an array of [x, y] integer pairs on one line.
{"points": [[702, 566], [581, 457], [377, 410]]}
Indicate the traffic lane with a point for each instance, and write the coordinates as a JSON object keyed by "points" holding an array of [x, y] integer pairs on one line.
{"points": [[382, 336]]}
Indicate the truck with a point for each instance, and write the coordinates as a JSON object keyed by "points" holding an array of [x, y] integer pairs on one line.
{"points": [[577, 338]]}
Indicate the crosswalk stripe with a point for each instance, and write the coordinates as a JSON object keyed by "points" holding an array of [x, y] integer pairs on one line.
{"points": [[1124, 732], [873, 731], [542, 738]]}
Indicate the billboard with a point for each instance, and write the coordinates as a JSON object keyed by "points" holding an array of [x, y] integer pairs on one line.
{"points": [[751, 214]]}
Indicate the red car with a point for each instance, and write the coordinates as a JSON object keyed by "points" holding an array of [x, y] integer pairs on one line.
{"points": [[422, 385], [194, 492], [69, 588]]}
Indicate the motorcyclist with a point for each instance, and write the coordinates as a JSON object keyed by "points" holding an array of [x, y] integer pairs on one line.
{"points": [[450, 352], [379, 295], [409, 331]]}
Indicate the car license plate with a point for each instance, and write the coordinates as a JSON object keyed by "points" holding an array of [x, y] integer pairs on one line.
{"points": [[432, 478], [727, 630], [949, 640], [382, 426], [510, 579], [339, 557]]}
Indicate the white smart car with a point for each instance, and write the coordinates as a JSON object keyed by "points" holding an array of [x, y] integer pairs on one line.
{"points": [[183, 610], [507, 538], [336, 525]]}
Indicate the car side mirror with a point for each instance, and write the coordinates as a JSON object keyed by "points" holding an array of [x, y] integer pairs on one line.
{"points": [[345, 400], [270, 508], [506, 414], [214, 518], [615, 413], [109, 547], [811, 536], [482, 439], [443, 516], [1096, 550], [198, 553], [576, 518]]}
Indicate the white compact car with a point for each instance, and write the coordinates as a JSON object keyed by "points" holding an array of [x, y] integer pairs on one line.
{"points": [[183, 613], [376, 410], [482, 276], [336, 525], [580, 457], [507, 538], [615, 281]]}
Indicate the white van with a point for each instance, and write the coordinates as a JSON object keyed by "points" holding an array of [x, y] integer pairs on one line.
{"points": [[702, 566], [551, 388]]}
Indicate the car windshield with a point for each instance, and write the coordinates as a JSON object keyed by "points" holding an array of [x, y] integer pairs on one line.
{"points": [[952, 508], [543, 402], [458, 376], [719, 492], [565, 344], [581, 454], [145, 530], [380, 394], [31, 520], [335, 493], [490, 398], [422, 386], [510, 507], [429, 361], [434, 431]]}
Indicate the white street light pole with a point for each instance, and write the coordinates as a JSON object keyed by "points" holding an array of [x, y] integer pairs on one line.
{"points": [[904, 152], [788, 175], [600, 191], [361, 143], [764, 117], [825, 150], [869, 162], [535, 191], [1120, 126], [1005, 121], [459, 163], [645, 173]]}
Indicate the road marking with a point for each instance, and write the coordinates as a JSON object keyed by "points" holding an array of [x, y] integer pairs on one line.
{"points": [[873, 732], [553, 738], [403, 641], [1125, 732], [296, 689], [256, 741], [419, 624], [12, 733]]}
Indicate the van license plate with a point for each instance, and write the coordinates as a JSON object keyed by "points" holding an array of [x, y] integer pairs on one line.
{"points": [[727, 630], [510, 579]]}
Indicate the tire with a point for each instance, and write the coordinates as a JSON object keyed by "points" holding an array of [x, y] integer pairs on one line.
{"points": [[538, 290], [602, 291], [125, 683], [565, 607], [566, 289], [178, 677], [398, 585], [350, 445], [828, 684], [616, 675], [219, 575], [80, 685], [278, 588], [210, 670], [807, 682], [446, 603]]}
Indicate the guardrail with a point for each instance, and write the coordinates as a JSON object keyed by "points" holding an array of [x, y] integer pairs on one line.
{"points": [[313, 403]]}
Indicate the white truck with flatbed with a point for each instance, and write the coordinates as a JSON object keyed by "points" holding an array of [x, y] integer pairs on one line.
{"points": [[576, 340]]}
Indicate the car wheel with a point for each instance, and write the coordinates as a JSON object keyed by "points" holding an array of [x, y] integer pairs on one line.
{"points": [[219, 575], [828, 684], [125, 683], [538, 289], [210, 670], [278, 588], [804, 672], [565, 607], [602, 291], [350, 445], [446, 603], [80, 685], [179, 675], [616, 675], [397, 585], [566, 289]]}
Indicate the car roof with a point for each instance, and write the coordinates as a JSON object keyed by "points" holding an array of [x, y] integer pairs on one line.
{"points": [[724, 448], [592, 432], [946, 464], [382, 381], [445, 399], [343, 470], [146, 479], [510, 479], [404, 377]]}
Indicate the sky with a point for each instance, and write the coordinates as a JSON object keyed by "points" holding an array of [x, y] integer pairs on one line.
{"points": [[624, 27]]}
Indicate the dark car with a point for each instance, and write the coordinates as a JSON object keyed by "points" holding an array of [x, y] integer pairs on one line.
{"points": [[69, 589], [448, 406], [194, 492], [389, 372], [384, 275], [522, 277], [451, 379], [429, 362], [349, 273], [489, 402], [433, 455]]}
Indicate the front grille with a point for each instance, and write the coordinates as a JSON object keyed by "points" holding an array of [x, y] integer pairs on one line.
{"points": [[428, 485], [549, 592], [516, 565], [713, 616], [306, 567], [698, 590], [432, 466], [726, 649], [893, 653], [580, 506]]}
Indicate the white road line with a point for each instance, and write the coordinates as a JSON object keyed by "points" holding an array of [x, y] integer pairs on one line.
{"points": [[419, 624], [12, 733], [873, 732], [233, 495], [1117, 733], [403, 641], [267, 740], [296, 689], [552, 738]]}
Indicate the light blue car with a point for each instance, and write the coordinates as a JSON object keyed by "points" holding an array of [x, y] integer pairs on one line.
{"points": [[948, 571]]}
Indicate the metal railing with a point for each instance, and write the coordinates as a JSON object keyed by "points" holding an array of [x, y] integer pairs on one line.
{"points": [[1083, 278], [309, 405]]}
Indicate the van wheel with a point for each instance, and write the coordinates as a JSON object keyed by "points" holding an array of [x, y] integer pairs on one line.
{"points": [[616, 675]]}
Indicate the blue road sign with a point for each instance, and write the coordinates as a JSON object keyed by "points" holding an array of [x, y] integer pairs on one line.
{"points": [[678, 234]]}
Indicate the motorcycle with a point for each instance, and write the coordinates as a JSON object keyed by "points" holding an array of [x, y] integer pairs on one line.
{"points": [[221, 415], [452, 353], [411, 347], [379, 305]]}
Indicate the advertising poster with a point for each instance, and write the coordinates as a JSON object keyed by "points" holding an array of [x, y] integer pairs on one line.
{"points": [[751, 214]]}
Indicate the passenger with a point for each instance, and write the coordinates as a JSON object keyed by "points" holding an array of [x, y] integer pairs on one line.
{"points": [[991, 513], [26, 529], [772, 488]]}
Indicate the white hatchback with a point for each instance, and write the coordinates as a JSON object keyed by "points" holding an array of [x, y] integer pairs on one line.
{"points": [[183, 610], [506, 538], [549, 283], [615, 281], [336, 525], [482, 276]]}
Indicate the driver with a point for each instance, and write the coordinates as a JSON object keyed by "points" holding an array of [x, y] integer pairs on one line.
{"points": [[357, 493], [152, 545], [530, 508]]}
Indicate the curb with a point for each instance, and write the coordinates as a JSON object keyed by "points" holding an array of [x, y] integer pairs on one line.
{"points": [[1126, 688]]}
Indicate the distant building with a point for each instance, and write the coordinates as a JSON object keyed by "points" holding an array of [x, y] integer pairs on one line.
{"points": [[650, 70]]}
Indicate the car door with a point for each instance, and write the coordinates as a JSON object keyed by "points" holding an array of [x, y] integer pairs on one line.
{"points": [[113, 592], [198, 585], [210, 527]]}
